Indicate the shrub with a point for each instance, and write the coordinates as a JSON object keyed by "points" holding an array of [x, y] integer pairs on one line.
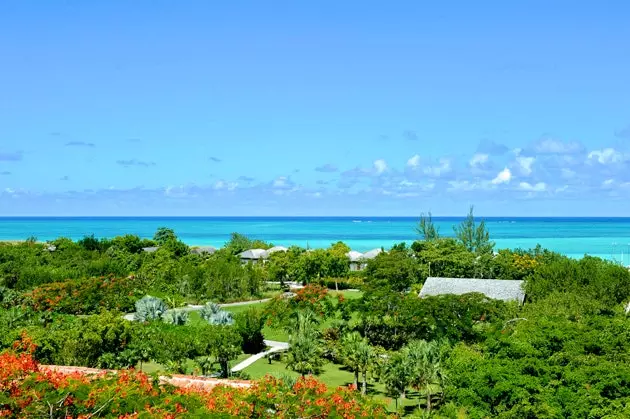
{"points": [[149, 308], [27, 390], [213, 314], [84, 296], [176, 317]]}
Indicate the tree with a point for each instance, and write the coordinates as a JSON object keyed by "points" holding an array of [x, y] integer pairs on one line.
{"points": [[349, 354], [239, 243], [226, 347], [397, 375], [357, 355], [339, 248], [395, 270], [424, 364], [164, 235], [474, 236], [365, 355], [249, 325], [90, 243], [305, 346], [427, 229]]}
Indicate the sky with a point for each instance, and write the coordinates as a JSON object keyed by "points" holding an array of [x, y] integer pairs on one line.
{"points": [[314, 108]]}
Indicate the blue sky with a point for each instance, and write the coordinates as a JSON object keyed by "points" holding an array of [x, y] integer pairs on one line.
{"points": [[326, 108]]}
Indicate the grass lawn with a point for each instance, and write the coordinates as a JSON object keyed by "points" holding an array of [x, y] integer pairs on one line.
{"points": [[348, 295], [240, 309], [334, 376], [151, 367]]}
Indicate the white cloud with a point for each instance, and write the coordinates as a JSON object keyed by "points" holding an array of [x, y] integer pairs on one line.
{"points": [[504, 176], [606, 156], [537, 187], [462, 185], [568, 173], [525, 164], [222, 184], [380, 166], [414, 161], [175, 191], [280, 182], [608, 183], [443, 167], [551, 146], [478, 159], [561, 189]]}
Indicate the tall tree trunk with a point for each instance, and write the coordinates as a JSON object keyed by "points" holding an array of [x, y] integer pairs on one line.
{"points": [[364, 386], [403, 394], [428, 400], [356, 379]]}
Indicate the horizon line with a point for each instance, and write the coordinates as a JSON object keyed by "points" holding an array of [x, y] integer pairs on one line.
{"points": [[317, 216]]}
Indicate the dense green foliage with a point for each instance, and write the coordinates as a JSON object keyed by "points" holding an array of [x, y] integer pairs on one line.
{"points": [[564, 353]]}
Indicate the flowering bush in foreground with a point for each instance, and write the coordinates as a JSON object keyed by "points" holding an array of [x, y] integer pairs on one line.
{"points": [[26, 390]]}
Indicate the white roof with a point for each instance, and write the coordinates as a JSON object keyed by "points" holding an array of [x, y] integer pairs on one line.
{"points": [[275, 249], [498, 289], [372, 253], [354, 256], [252, 254]]}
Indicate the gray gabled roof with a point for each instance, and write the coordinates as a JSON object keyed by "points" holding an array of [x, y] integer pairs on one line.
{"points": [[203, 249], [252, 254], [498, 289]]}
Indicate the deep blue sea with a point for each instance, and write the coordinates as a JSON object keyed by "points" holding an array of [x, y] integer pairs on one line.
{"points": [[604, 237]]}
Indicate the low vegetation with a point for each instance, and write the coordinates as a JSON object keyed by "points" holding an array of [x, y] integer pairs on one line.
{"points": [[564, 353]]}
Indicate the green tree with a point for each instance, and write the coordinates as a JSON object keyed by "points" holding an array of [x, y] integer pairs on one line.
{"points": [[424, 364], [305, 346], [474, 236], [249, 325], [226, 347], [395, 270], [397, 375], [350, 354], [164, 235], [427, 229]]}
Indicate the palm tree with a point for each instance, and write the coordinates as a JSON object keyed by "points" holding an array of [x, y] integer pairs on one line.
{"points": [[365, 355], [425, 367], [350, 354], [357, 355], [305, 346], [397, 375]]}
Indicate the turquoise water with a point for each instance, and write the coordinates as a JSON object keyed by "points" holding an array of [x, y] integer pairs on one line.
{"points": [[605, 237]]}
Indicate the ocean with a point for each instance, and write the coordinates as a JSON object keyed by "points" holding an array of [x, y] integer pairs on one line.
{"points": [[604, 237]]}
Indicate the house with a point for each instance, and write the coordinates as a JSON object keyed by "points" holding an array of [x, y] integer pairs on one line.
{"points": [[273, 250], [355, 260], [150, 249], [203, 250], [498, 289], [372, 254], [252, 256]]}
